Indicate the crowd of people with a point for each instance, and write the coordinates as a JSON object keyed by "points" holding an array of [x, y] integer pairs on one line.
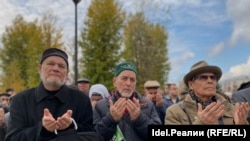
{"points": [[43, 112], [5, 99]]}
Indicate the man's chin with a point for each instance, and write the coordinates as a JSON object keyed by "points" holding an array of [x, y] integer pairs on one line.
{"points": [[54, 83], [126, 95]]}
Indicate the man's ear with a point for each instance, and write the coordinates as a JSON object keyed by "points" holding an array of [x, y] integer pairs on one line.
{"points": [[190, 85]]}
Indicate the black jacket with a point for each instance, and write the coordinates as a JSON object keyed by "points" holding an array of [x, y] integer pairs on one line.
{"points": [[26, 112]]}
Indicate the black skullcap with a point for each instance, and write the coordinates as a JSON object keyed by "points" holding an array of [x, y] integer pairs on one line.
{"points": [[54, 52]]}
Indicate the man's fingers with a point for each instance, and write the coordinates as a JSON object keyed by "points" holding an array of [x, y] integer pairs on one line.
{"points": [[111, 103], [46, 112]]}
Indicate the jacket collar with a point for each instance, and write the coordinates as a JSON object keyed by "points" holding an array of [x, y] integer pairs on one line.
{"points": [[41, 93]]}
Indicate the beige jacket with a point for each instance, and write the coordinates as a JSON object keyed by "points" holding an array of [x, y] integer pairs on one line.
{"points": [[176, 116]]}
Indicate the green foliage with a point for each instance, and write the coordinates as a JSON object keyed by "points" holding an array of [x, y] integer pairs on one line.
{"points": [[23, 43], [146, 46], [106, 39], [101, 41], [17, 40]]}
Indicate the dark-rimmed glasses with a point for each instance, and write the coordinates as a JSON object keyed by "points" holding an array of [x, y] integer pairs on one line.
{"points": [[205, 77]]}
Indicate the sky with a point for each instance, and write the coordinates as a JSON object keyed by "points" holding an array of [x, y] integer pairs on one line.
{"points": [[216, 31]]}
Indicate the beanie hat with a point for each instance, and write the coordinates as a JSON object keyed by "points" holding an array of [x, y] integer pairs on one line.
{"points": [[54, 52]]}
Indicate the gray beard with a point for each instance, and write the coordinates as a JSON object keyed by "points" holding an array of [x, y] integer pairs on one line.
{"points": [[126, 95], [53, 83]]}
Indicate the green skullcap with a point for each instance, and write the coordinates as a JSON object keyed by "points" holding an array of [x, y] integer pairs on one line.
{"points": [[125, 66]]}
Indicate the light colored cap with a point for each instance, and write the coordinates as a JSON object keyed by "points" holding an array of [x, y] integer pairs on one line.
{"points": [[100, 89], [152, 84]]}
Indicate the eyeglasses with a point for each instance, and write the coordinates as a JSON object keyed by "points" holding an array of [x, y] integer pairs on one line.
{"points": [[205, 77]]}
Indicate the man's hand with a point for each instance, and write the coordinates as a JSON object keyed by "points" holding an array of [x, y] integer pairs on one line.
{"points": [[241, 113], [159, 98], [117, 109], [48, 122], [64, 121], [150, 97], [133, 108], [211, 113]]}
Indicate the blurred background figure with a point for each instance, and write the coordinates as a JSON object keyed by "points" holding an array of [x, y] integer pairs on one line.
{"points": [[173, 95], [244, 85], [83, 85], [97, 92], [10, 91], [4, 101], [153, 93], [242, 95], [166, 90]]}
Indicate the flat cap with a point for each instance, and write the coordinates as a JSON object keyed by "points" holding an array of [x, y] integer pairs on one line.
{"points": [[151, 84], [83, 80]]}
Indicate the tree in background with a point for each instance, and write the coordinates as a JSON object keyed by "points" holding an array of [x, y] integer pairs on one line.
{"points": [[12, 79], [146, 46], [23, 43], [101, 44], [101, 41]]}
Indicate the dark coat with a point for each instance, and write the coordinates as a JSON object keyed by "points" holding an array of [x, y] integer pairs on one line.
{"points": [[242, 96], [26, 112], [167, 102], [132, 130], [2, 133]]}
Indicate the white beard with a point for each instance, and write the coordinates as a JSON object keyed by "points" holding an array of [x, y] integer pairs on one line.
{"points": [[52, 82], [126, 95]]}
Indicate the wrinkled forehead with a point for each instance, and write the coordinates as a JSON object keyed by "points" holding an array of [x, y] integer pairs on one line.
{"points": [[127, 73], [55, 59]]}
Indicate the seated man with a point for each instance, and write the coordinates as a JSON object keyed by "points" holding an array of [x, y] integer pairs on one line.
{"points": [[127, 113], [36, 114], [203, 105]]}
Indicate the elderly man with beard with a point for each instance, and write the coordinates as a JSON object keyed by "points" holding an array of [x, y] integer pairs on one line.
{"points": [[127, 114], [203, 105], [36, 113]]}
